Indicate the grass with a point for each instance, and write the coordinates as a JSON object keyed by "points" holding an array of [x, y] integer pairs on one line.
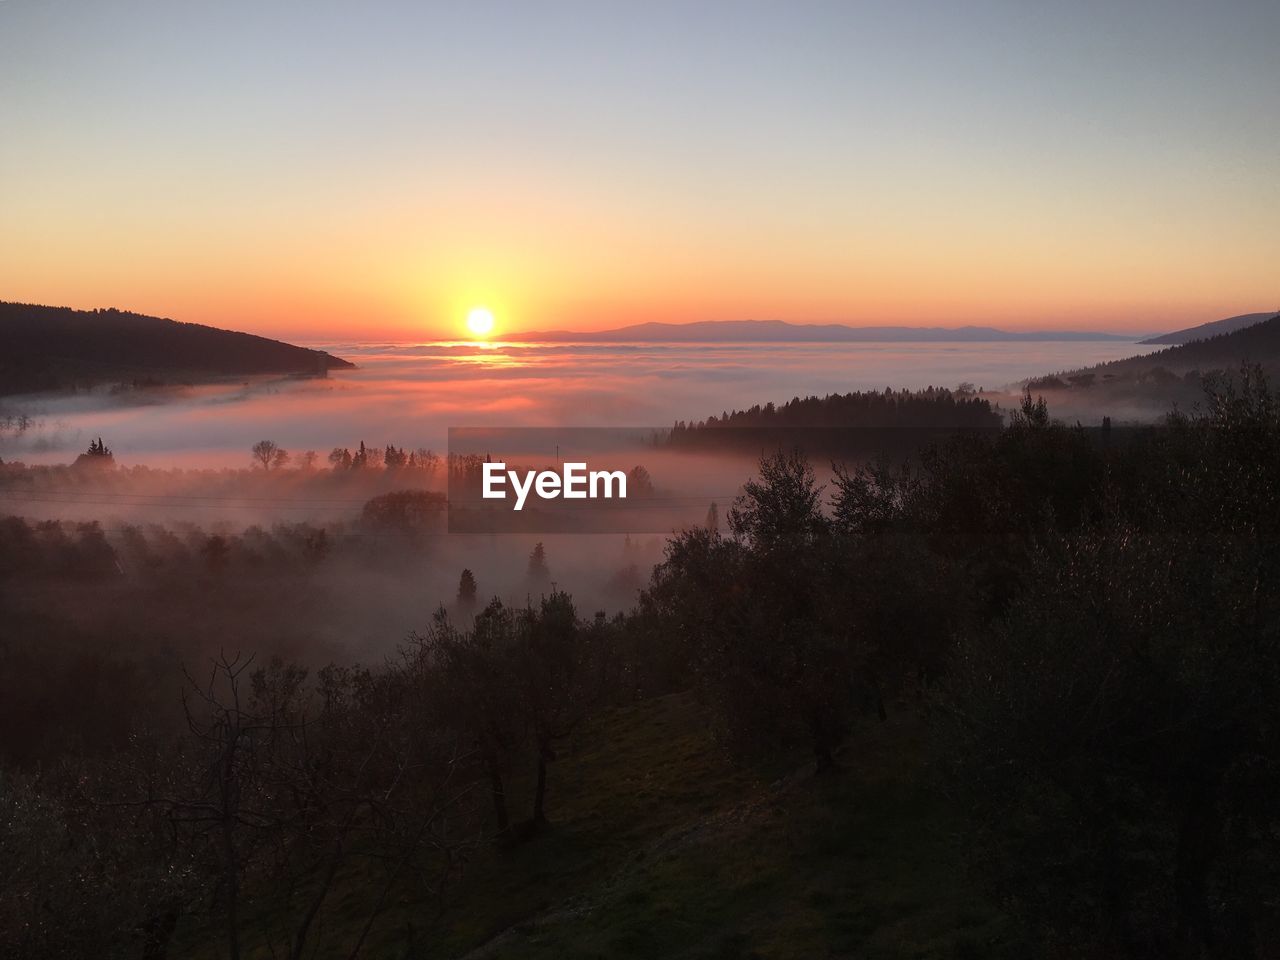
{"points": [[659, 847]]}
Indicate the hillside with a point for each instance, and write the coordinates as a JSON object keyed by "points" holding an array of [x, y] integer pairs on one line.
{"points": [[779, 331], [1257, 344], [659, 847], [1144, 387], [55, 348], [1206, 330]]}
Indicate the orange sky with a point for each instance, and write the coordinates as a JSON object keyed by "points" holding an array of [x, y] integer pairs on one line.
{"points": [[329, 175]]}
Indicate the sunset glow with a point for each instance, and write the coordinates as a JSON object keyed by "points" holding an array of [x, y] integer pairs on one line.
{"points": [[480, 322], [649, 181]]}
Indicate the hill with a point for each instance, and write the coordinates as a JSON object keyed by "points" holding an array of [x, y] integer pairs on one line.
{"points": [[698, 859], [779, 331], [1206, 330], [56, 348], [1144, 387], [1257, 344]]}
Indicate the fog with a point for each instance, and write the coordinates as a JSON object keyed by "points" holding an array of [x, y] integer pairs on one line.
{"points": [[411, 394], [183, 547]]}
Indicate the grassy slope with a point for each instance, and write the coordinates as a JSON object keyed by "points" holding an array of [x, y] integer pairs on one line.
{"points": [[660, 848]]}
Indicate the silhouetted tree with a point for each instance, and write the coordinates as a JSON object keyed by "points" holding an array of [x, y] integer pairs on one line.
{"points": [[268, 454], [539, 573], [467, 591], [216, 552], [98, 457], [555, 680], [469, 675], [639, 483], [411, 513], [750, 611]]}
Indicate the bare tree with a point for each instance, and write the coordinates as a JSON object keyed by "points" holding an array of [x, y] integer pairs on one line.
{"points": [[267, 452], [282, 783]]}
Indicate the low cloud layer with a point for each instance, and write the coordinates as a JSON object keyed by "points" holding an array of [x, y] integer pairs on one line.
{"points": [[411, 394]]}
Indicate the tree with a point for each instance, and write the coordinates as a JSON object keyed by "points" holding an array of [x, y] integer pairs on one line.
{"points": [[268, 454], [467, 591], [1112, 730], [216, 552], [411, 513], [554, 662], [87, 880], [98, 457], [426, 460], [750, 612], [1114, 736], [525, 678], [469, 677], [538, 572], [279, 784], [780, 512], [639, 483]]}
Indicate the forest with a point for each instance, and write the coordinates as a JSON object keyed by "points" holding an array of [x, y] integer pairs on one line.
{"points": [[1012, 696], [855, 425]]}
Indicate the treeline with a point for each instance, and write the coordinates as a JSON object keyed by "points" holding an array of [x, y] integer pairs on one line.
{"points": [[267, 460], [850, 425], [59, 549], [274, 481], [931, 407]]}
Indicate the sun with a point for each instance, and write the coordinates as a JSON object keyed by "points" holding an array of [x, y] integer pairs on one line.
{"points": [[480, 321]]}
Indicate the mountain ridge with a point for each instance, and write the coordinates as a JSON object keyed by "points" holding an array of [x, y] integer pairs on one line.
{"points": [[780, 331], [1213, 328]]}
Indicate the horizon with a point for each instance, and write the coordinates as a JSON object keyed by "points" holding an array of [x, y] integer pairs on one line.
{"points": [[324, 171], [457, 333]]}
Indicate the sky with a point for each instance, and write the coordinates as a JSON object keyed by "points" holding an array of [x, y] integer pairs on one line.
{"points": [[373, 170]]}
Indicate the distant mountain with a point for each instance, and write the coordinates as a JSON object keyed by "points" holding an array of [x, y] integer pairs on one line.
{"points": [[1206, 330], [778, 331], [56, 348]]}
